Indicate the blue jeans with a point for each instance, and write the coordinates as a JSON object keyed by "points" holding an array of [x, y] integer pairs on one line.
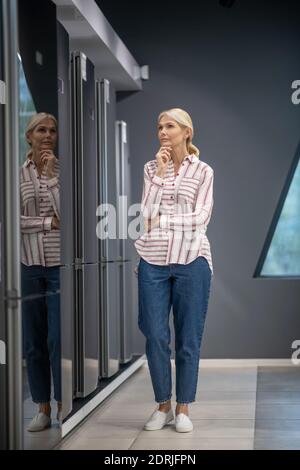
{"points": [[41, 330], [187, 289]]}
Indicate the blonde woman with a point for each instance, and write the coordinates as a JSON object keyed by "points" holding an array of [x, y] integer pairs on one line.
{"points": [[40, 256], [175, 266]]}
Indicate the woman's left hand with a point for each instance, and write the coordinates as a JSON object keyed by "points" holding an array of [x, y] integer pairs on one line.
{"points": [[48, 159], [150, 224]]}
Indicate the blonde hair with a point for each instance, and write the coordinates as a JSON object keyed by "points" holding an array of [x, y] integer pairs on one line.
{"points": [[184, 120], [34, 122]]}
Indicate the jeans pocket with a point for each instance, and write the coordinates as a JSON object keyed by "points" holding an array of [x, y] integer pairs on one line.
{"points": [[206, 262]]}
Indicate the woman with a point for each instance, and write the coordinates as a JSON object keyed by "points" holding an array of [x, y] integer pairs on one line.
{"points": [[40, 256], [175, 267]]}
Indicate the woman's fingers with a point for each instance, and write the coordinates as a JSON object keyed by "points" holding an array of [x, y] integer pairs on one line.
{"points": [[165, 155]]}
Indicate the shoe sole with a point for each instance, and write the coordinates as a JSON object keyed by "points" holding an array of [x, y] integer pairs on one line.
{"points": [[146, 428], [39, 430], [184, 430]]}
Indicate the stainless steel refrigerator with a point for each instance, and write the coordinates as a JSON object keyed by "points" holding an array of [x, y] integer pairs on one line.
{"points": [[123, 178], [109, 353], [79, 245], [85, 243], [95, 272]]}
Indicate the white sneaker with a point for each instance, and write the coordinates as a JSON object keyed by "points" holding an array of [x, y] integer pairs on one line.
{"points": [[183, 423], [39, 422], [158, 420]]}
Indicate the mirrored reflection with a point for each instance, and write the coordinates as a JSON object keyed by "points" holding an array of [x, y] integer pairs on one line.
{"points": [[26, 110], [40, 279]]}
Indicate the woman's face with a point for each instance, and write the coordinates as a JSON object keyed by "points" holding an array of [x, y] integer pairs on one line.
{"points": [[170, 132], [43, 136]]}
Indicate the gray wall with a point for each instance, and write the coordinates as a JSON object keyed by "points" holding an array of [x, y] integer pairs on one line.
{"points": [[232, 70]]}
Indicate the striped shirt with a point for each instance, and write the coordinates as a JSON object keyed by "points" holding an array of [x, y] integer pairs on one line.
{"points": [[40, 245], [184, 203]]}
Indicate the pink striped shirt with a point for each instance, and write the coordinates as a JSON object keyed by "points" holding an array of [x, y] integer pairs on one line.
{"points": [[184, 202], [40, 245]]}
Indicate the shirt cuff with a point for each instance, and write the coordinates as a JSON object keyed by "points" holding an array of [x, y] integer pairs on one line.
{"points": [[164, 221], [52, 182], [47, 223], [158, 180]]}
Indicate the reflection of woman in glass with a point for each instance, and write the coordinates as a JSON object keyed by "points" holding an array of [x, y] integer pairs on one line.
{"points": [[40, 251], [175, 267]]}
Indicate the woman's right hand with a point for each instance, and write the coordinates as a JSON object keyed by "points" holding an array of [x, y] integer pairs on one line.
{"points": [[162, 158], [55, 224]]}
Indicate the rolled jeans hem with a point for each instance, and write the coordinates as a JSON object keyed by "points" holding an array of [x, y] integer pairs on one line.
{"points": [[40, 402], [163, 401], [186, 402]]}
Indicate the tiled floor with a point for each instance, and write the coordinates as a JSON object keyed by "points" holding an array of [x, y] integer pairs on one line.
{"points": [[235, 408], [277, 424]]}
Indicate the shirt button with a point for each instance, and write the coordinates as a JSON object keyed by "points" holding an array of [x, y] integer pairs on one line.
{"points": [[173, 184], [172, 197], [45, 233], [182, 164]]}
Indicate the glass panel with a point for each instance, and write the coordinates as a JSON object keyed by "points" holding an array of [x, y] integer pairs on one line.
{"points": [[40, 275], [27, 110], [283, 258]]}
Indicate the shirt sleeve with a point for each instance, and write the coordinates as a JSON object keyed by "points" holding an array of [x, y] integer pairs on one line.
{"points": [[152, 194], [53, 187], [192, 221], [35, 224]]}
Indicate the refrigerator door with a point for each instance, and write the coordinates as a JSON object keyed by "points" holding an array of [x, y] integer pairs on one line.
{"points": [[86, 283], [125, 266], [64, 147], [125, 308], [67, 335], [109, 320], [107, 189], [86, 330], [109, 333], [85, 162], [123, 187]]}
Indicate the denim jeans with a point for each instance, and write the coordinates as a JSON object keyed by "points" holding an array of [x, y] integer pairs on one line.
{"points": [[41, 330], [187, 289]]}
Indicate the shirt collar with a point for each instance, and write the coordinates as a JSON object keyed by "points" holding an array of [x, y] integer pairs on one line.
{"points": [[28, 162], [192, 157]]}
